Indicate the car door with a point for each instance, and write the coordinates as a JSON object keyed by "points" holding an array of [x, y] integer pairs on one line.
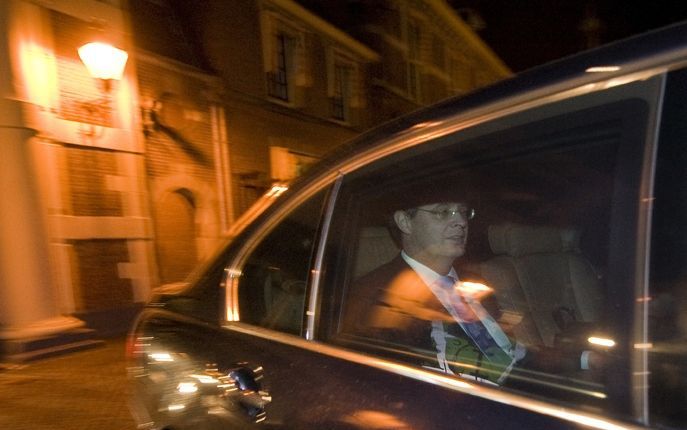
{"points": [[283, 356], [666, 301], [568, 182], [193, 373], [576, 164]]}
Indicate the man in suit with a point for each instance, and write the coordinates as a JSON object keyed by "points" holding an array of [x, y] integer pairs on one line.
{"points": [[422, 299]]}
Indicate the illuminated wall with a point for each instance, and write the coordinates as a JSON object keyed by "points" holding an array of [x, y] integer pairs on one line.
{"points": [[186, 163], [82, 167]]}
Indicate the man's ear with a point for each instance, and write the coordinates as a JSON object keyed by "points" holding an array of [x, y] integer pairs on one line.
{"points": [[402, 220]]}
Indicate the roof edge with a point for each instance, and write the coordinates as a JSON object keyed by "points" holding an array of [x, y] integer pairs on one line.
{"points": [[452, 18], [326, 28]]}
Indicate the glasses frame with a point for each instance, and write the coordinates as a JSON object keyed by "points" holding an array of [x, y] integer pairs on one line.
{"points": [[446, 214]]}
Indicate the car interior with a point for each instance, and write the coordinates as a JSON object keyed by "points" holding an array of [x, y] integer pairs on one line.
{"points": [[537, 273], [543, 196], [540, 273], [272, 290]]}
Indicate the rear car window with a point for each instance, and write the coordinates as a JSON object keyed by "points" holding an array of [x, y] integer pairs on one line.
{"points": [[273, 280], [545, 256]]}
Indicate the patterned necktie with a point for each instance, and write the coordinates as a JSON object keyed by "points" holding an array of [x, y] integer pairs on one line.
{"points": [[458, 302], [471, 324]]}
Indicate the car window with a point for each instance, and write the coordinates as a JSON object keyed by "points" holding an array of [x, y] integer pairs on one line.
{"points": [[272, 285], [539, 220], [666, 344]]}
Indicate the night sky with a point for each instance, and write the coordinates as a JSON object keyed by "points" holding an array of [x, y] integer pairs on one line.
{"points": [[527, 33], [523, 33]]}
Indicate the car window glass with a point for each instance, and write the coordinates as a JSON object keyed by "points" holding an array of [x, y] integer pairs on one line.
{"points": [[539, 266], [273, 280], [667, 299]]}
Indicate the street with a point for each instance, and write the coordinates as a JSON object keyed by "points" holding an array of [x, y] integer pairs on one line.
{"points": [[79, 390]]}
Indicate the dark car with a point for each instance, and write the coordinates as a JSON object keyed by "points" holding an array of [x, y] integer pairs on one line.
{"points": [[573, 181]]}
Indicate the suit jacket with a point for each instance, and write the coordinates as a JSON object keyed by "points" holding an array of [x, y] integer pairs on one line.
{"points": [[393, 304]]}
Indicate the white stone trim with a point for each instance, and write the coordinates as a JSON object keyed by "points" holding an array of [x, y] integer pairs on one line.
{"points": [[68, 227]]}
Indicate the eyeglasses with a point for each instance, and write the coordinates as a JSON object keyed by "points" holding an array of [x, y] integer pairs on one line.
{"points": [[445, 214]]}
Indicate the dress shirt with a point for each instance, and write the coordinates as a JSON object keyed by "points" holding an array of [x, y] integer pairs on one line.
{"points": [[432, 281], [430, 278]]}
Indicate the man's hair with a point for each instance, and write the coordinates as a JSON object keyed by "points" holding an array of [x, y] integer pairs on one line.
{"points": [[394, 230]]}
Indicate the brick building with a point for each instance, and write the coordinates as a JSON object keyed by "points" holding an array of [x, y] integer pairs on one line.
{"points": [[301, 77], [112, 191], [75, 231]]}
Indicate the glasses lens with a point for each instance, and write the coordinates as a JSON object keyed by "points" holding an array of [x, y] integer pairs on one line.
{"points": [[464, 213], [445, 214]]}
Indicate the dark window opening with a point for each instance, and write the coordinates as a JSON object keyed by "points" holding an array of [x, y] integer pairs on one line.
{"points": [[278, 80]]}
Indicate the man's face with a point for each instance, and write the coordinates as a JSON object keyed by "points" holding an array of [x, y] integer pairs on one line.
{"points": [[436, 231]]}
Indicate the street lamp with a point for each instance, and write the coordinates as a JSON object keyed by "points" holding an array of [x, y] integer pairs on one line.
{"points": [[104, 62]]}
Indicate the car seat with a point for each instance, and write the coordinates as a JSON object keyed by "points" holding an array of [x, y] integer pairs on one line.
{"points": [[284, 299], [375, 247], [540, 274]]}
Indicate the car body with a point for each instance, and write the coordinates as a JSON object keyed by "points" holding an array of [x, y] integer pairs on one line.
{"points": [[576, 171]]}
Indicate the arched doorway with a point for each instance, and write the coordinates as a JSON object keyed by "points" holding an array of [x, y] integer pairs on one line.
{"points": [[175, 232]]}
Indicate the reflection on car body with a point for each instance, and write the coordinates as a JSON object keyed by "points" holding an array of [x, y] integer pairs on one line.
{"points": [[573, 255]]}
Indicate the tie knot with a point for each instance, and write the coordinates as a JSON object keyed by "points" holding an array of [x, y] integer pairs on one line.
{"points": [[446, 282]]}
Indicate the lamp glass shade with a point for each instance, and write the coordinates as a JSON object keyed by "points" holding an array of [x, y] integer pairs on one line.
{"points": [[103, 61]]}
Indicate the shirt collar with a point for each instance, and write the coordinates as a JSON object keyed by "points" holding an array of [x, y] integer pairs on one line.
{"points": [[427, 275]]}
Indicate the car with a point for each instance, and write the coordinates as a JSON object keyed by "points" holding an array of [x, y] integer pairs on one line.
{"points": [[575, 174]]}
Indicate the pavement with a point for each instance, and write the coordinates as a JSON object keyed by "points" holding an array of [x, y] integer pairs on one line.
{"points": [[79, 390]]}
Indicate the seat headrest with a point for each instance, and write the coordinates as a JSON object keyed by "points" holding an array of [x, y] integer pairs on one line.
{"points": [[518, 240]]}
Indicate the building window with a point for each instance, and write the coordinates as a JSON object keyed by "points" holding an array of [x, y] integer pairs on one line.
{"points": [[391, 17], [438, 56], [343, 85], [278, 78], [288, 164], [340, 100], [285, 61], [460, 74], [414, 60]]}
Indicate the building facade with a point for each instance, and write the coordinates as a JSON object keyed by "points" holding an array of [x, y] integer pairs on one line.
{"points": [[427, 52], [187, 163], [75, 227], [113, 190], [295, 86], [300, 77]]}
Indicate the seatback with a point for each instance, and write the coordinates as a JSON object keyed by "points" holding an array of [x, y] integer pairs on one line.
{"points": [[375, 247], [538, 273]]}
